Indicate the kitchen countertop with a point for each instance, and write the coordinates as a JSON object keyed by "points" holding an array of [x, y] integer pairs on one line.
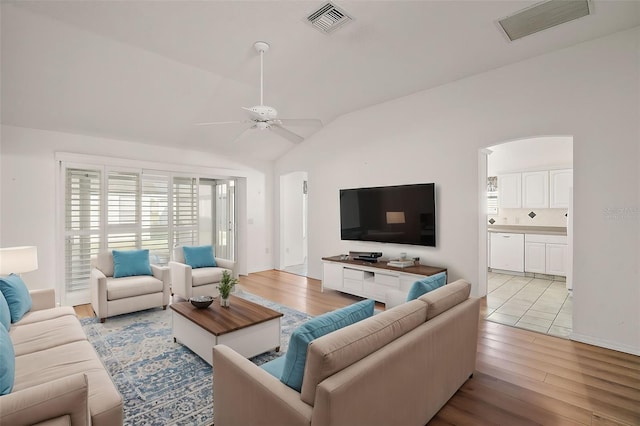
{"points": [[540, 230]]}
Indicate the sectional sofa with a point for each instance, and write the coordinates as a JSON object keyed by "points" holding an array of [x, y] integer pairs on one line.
{"points": [[59, 379], [398, 367]]}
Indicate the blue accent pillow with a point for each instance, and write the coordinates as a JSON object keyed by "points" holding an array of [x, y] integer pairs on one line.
{"points": [[5, 314], [7, 363], [426, 285], [129, 263], [296, 356], [199, 256], [274, 367], [17, 296]]}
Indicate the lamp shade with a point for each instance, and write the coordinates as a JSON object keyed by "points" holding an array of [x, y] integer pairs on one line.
{"points": [[16, 260]]}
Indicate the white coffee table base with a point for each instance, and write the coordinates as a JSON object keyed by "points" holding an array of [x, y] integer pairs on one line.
{"points": [[248, 342]]}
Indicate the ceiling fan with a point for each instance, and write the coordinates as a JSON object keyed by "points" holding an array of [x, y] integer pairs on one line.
{"points": [[264, 117]]}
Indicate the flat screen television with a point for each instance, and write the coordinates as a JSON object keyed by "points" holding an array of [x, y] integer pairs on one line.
{"points": [[404, 214]]}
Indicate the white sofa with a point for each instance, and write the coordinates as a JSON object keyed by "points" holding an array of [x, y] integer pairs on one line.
{"points": [[187, 282], [115, 296]]}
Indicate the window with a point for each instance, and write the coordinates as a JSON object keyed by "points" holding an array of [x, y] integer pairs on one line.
{"points": [[106, 209]]}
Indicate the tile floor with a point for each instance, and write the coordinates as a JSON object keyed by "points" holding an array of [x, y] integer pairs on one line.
{"points": [[535, 304]]}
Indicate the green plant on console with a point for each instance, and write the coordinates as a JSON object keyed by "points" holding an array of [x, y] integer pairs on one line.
{"points": [[227, 283]]}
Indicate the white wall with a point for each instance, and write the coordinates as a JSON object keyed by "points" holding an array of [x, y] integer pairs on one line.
{"points": [[546, 153], [28, 204], [589, 91]]}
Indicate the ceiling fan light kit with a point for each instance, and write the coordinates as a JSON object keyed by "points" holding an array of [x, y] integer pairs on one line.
{"points": [[265, 117]]}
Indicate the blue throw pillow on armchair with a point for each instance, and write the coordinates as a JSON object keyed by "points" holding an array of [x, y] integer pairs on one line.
{"points": [[426, 285], [199, 256], [296, 356], [5, 314], [7, 363], [129, 263]]}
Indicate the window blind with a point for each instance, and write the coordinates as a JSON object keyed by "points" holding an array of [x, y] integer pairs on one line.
{"points": [[123, 210], [154, 217], [185, 211]]}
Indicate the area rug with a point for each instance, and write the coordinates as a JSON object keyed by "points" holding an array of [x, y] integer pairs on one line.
{"points": [[162, 382]]}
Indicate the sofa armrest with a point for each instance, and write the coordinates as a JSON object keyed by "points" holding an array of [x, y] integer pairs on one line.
{"points": [[181, 280], [227, 264], [67, 396], [98, 284], [245, 394], [162, 273], [42, 299]]}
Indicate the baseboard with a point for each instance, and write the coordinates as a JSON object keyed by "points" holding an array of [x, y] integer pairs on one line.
{"points": [[604, 344]]}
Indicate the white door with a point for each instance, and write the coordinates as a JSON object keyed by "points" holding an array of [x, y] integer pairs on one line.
{"points": [[510, 191], [535, 190], [535, 257]]}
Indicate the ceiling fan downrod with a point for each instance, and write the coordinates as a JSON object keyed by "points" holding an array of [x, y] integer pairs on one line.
{"points": [[261, 47]]}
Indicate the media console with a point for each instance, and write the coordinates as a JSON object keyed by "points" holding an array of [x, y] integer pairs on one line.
{"points": [[371, 280]]}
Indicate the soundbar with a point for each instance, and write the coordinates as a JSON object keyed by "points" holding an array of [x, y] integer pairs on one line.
{"points": [[367, 256]]}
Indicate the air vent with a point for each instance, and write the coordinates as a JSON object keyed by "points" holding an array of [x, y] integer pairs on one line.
{"points": [[543, 16], [328, 18]]}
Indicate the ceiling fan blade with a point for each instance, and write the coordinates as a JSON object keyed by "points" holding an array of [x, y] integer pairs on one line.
{"points": [[300, 122], [287, 134], [220, 122]]}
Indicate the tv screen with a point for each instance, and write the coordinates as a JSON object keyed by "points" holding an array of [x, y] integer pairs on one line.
{"points": [[404, 214]]}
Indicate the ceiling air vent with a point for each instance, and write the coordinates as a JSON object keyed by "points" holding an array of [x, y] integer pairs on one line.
{"points": [[328, 18], [542, 16]]}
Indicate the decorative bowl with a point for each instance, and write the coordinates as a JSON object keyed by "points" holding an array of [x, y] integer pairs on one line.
{"points": [[201, 302]]}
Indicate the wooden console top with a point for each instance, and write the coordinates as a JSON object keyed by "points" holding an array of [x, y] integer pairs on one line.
{"points": [[382, 264]]}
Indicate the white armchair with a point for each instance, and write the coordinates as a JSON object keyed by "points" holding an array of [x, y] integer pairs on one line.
{"points": [[187, 282], [114, 296]]}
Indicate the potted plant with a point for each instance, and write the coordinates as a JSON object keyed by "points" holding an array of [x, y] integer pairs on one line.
{"points": [[227, 283]]}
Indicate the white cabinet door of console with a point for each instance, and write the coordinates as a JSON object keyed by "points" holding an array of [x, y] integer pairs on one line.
{"points": [[535, 257], [535, 190], [510, 191], [557, 259], [507, 251], [560, 182], [332, 276]]}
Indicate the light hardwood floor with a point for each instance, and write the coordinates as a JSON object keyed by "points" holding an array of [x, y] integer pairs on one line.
{"points": [[522, 377]]}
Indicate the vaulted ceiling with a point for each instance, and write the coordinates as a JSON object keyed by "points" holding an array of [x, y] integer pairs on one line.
{"points": [[147, 71]]}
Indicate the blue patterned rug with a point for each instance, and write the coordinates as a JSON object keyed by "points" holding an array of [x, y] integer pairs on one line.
{"points": [[162, 382]]}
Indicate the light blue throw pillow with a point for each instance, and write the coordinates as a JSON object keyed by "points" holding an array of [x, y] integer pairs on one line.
{"points": [[129, 263], [296, 356], [199, 256], [426, 285], [274, 367], [17, 296], [5, 314], [7, 363]]}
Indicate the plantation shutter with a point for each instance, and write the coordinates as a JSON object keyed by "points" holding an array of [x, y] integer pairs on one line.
{"points": [[123, 210], [155, 217], [82, 227], [185, 211]]}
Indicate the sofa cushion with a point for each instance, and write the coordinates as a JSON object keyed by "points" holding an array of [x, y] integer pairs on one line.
{"points": [[446, 297], [32, 369], [202, 276], [199, 256], [120, 288], [334, 352], [426, 284], [45, 315], [5, 314], [130, 263], [47, 334], [7, 363], [17, 295], [274, 367], [296, 355]]}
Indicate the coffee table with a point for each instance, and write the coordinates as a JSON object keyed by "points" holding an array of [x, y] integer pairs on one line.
{"points": [[250, 329]]}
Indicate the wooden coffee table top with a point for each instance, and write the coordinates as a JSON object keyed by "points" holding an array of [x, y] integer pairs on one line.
{"points": [[218, 320]]}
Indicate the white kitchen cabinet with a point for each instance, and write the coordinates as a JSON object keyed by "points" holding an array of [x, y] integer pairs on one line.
{"points": [[510, 191], [507, 251], [546, 254], [557, 259], [535, 257], [560, 181], [535, 190]]}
